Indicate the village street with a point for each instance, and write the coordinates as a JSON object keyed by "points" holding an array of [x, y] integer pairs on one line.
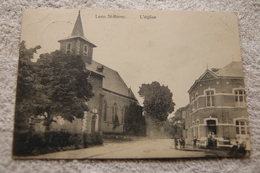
{"points": [[141, 148]]}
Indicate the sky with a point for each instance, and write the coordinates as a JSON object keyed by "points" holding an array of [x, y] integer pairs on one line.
{"points": [[171, 47]]}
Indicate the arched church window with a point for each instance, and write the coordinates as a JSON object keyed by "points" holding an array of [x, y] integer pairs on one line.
{"points": [[114, 111], [105, 111], [68, 48], [123, 113], [85, 50]]}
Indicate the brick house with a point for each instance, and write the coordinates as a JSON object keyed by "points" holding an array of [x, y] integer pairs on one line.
{"points": [[217, 106]]}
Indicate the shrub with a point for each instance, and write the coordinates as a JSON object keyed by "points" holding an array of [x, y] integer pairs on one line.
{"points": [[42, 143]]}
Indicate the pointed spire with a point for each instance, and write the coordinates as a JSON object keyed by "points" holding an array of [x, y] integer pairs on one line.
{"points": [[78, 28]]}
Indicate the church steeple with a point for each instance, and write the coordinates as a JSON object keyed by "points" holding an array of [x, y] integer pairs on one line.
{"points": [[77, 44], [78, 28]]}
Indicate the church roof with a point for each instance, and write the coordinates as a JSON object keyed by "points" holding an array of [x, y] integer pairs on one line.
{"points": [[78, 28], [112, 80], [78, 31]]}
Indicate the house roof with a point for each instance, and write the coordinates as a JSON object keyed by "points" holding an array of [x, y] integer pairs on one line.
{"points": [[232, 70], [112, 81]]}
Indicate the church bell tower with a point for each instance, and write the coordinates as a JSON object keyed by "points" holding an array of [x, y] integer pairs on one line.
{"points": [[77, 44]]}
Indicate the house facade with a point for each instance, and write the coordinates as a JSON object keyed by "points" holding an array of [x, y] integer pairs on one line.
{"points": [[217, 107], [111, 98]]}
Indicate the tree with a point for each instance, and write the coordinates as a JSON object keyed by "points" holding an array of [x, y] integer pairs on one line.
{"points": [[134, 120], [63, 87], [56, 85], [158, 102], [158, 105], [25, 87]]}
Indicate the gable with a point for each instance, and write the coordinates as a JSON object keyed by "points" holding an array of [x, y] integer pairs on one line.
{"points": [[207, 76]]}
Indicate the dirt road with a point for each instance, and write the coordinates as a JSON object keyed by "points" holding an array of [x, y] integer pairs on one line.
{"points": [[142, 148]]}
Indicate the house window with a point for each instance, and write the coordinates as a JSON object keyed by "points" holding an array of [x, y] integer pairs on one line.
{"points": [[114, 111], [197, 132], [85, 50], [68, 48], [209, 97], [192, 104], [240, 97], [241, 127], [196, 104], [193, 125], [105, 111]]}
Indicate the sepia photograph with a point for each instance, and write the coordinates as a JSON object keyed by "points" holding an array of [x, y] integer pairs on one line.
{"points": [[130, 84]]}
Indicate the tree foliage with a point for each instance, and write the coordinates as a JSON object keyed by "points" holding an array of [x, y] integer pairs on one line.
{"points": [[134, 120], [25, 86], [56, 85], [158, 103]]}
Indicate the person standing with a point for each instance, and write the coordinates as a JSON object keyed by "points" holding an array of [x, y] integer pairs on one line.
{"points": [[179, 144], [175, 143], [183, 143], [194, 142]]}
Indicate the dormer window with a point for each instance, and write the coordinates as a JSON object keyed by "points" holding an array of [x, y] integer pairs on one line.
{"points": [[85, 50], [100, 68], [68, 48]]}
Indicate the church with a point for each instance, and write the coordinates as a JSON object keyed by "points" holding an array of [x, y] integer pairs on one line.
{"points": [[111, 94]]}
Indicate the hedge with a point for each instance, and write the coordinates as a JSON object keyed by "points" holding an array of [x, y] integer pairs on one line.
{"points": [[26, 144]]}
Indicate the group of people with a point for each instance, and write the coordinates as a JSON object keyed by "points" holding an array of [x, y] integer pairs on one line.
{"points": [[240, 147], [179, 143]]}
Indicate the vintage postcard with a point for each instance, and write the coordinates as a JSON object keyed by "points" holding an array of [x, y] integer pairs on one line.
{"points": [[127, 84]]}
